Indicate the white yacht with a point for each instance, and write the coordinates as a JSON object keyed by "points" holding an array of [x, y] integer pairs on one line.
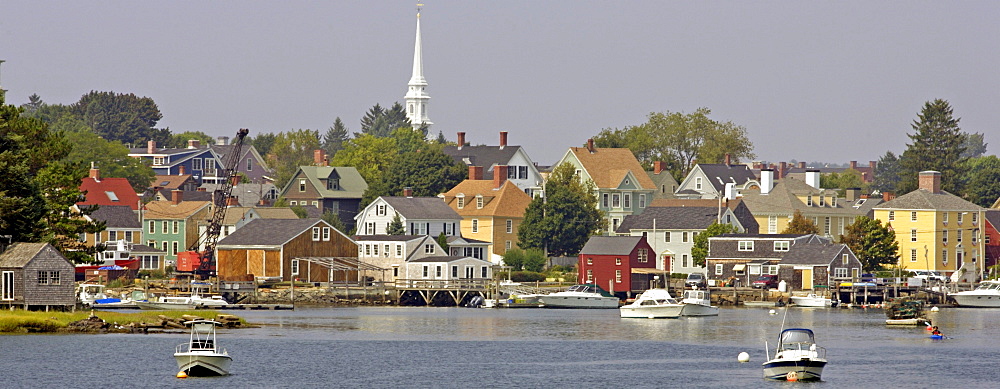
{"points": [[796, 358], [697, 303], [653, 304], [580, 296], [195, 300], [987, 295], [812, 300], [201, 355]]}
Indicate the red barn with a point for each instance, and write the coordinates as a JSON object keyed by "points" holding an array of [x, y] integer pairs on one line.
{"points": [[611, 261]]}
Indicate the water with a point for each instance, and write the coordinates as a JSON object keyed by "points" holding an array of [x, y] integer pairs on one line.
{"points": [[523, 348]]}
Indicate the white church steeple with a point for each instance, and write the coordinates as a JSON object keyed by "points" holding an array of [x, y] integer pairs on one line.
{"points": [[416, 97]]}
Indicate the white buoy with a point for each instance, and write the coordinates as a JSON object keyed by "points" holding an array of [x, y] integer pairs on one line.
{"points": [[772, 312], [743, 357], [935, 309]]}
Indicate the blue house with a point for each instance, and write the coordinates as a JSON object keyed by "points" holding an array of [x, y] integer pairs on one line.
{"points": [[203, 164]]}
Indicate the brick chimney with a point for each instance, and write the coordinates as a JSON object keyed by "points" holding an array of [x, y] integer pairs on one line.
{"points": [[499, 176], [728, 160], [854, 165], [461, 139], [408, 192], [319, 156], [95, 173], [659, 167], [235, 179], [802, 165], [782, 169], [233, 201], [475, 172], [181, 170], [886, 196], [930, 181], [503, 139], [194, 143], [176, 196], [150, 147], [872, 165], [590, 146]]}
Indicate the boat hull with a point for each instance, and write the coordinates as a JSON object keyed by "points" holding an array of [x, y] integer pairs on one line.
{"points": [[162, 306], [811, 302], [579, 302], [201, 364], [699, 310], [806, 369], [964, 299], [671, 311]]}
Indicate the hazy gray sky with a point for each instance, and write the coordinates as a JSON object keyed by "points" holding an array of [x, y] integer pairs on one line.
{"points": [[829, 81]]}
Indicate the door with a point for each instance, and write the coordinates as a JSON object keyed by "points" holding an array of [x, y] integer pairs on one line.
{"points": [[807, 279], [7, 282]]}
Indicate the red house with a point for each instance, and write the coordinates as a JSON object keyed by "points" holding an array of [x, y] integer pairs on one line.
{"points": [[991, 237], [108, 191], [614, 263]]}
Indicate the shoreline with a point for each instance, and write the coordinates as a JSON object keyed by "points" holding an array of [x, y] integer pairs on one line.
{"points": [[103, 322]]}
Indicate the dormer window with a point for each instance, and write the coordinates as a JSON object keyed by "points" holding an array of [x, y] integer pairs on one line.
{"points": [[833, 201], [809, 201], [460, 201], [332, 184], [822, 201], [159, 161], [479, 202]]}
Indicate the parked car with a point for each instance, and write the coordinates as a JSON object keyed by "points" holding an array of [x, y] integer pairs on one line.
{"points": [[696, 280], [929, 275], [766, 281]]}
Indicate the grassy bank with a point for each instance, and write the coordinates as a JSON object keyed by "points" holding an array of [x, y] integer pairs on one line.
{"points": [[19, 321]]}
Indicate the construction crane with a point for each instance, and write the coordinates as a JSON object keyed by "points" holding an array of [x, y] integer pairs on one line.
{"points": [[203, 263]]}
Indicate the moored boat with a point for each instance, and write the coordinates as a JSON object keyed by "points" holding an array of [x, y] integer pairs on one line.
{"points": [[201, 355], [812, 300], [653, 304], [797, 355], [697, 303], [588, 296], [192, 301], [986, 295]]}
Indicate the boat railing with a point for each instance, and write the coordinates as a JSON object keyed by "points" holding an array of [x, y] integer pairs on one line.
{"points": [[803, 348]]}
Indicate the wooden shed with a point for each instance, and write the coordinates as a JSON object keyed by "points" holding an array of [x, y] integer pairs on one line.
{"points": [[36, 276]]}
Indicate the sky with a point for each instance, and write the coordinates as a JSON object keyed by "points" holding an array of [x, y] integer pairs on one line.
{"points": [[809, 80]]}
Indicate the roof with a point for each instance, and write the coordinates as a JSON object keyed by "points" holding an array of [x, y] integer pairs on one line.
{"points": [[485, 156], [784, 199], [187, 195], [386, 238], [449, 258], [670, 218], [458, 240], [924, 199], [269, 232], [715, 172], [248, 194], [351, 183], [812, 253], [170, 182], [116, 216], [739, 208], [167, 209], [109, 191], [233, 215], [143, 249], [20, 253], [607, 166], [276, 213], [610, 245], [993, 216], [509, 200], [421, 207]]}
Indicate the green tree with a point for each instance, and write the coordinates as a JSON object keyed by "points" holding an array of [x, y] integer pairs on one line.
{"points": [[371, 155], [300, 211], [334, 220], [290, 150], [974, 145], [263, 142], [442, 240], [381, 122], [937, 145], [180, 141], [126, 118], [849, 178], [534, 260], [109, 156], [981, 176], [514, 258], [333, 140], [396, 226], [700, 249], [427, 172], [800, 225], [886, 177], [562, 222], [33, 105], [874, 244]]}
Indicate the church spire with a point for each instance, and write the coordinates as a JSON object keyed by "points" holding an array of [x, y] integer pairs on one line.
{"points": [[416, 97]]}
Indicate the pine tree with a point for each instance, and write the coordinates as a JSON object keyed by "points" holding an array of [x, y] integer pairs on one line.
{"points": [[333, 140], [800, 225], [886, 173], [396, 226], [937, 145]]}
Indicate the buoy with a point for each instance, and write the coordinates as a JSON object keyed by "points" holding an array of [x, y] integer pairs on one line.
{"points": [[182, 374], [743, 357], [772, 312], [929, 328], [792, 376], [935, 309]]}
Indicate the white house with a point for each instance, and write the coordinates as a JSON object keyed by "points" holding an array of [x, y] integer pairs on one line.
{"points": [[448, 268], [521, 170], [393, 251], [420, 216], [709, 181]]}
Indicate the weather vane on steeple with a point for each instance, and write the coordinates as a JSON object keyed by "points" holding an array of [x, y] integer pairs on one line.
{"points": [[418, 8]]}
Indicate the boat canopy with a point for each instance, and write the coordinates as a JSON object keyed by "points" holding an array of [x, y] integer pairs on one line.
{"points": [[796, 335], [589, 288]]}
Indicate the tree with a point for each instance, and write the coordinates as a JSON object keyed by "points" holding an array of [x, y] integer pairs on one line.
{"points": [[534, 260], [290, 150], [937, 145], [980, 176], [800, 225], [381, 122], [263, 142], [371, 155], [396, 226], [874, 244], [334, 220], [442, 240], [886, 173], [562, 222], [109, 156], [849, 178], [126, 118], [427, 172], [180, 141], [974, 145], [514, 258], [333, 140], [700, 249], [33, 105]]}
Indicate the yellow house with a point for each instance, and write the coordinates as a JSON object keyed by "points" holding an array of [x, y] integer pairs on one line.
{"points": [[491, 210], [936, 230]]}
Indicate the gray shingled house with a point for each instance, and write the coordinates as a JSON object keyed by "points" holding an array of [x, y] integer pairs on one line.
{"points": [[813, 264], [36, 276], [744, 257]]}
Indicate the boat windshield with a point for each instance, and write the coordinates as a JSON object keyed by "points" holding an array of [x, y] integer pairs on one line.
{"points": [[989, 286], [791, 337], [583, 289]]}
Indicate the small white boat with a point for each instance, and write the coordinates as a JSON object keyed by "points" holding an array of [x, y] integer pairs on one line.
{"points": [[580, 296], [796, 356], [89, 293], [195, 300], [987, 295], [653, 304], [697, 303], [812, 300], [201, 355]]}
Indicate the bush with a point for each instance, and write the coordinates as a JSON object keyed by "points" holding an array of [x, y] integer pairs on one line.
{"points": [[527, 276], [152, 274], [534, 260], [514, 258]]}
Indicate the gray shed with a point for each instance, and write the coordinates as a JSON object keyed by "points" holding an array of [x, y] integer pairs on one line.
{"points": [[36, 275]]}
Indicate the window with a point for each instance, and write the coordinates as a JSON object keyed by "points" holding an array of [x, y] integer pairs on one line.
{"points": [[151, 243], [475, 225], [754, 269], [913, 216], [508, 245], [293, 202], [958, 236], [399, 250], [177, 226], [642, 200], [385, 251], [426, 271], [590, 261], [454, 271], [158, 160], [604, 200], [485, 273], [628, 200], [944, 218], [833, 201], [429, 248], [944, 256], [960, 216], [369, 228], [165, 246], [460, 201], [913, 235], [128, 236], [697, 183], [809, 200], [511, 172], [892, 215], [470, 271], [510, 226], [781, 245], [590, 276], [822, 201], [522, 172], [479, 202], [975, 218], [616, 200], [846, 259], [150, 262], [772, 224], [718, 269], [395, 271], [913, 255], [840, 272], [684, 237], [643, 256], [618, 276], [295, 267], [826, 225], [614, 224], [666, 236], [773, 270], [745, 245], [152, 227], [987, 240], [375, 250], [618, 261], [174, 247], [944, 237], [315, 236], [437, 271], [112, 235], [380, 210], [684, 260], [843, 222], [163, 227], [326, 234], [249, 164]]}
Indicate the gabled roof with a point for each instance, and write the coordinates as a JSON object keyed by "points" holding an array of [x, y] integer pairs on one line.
{"points": [[715, 172], [670, 218], [993, 216], [170, 181], [485, 156], [186, 195], [421, 208], [233, 215], [610, 245], [276, 213], [167, 209], [386, 238], [143, 249], [813, 253], [248, 194], [116, 216], [608, 166], [460, 241], [351, 183], [739, 208], [270, 232], [20, 253], [109, 191], [509, 200], [223, 150], [784, 199], [924, 199], [448, 258]]}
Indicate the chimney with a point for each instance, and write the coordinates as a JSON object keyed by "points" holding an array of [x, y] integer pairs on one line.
{"points": [[499, 176], [802, 165], [852, 194], [766, 181], [461, 139], [318, 157], [222, 141], [728, 160], [872, 165], [812, 178], [782, 169], [503, 139], [475, 172], [864, 196], [590, 145], [233, 201], [235, 179], [95, 173], [408, 192], [930, 181], [176, 196], [730, 191], [181, 170], [150, 147], [854, 165], [194, 143], [201, 189], [886, 196], [659, 167]]}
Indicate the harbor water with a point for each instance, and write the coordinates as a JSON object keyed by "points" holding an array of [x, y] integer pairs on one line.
{"points": [[523, 348]]}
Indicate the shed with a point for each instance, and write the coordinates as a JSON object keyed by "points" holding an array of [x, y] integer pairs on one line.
{"points": [[36, 276]]}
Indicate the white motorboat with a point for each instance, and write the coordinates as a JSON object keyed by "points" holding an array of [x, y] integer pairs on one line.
{"points": [[653, 304], [987, 295], [580, 296], [88, 294], [697, 303], [193, 301], [796, 358], [812, 300], [201, 355]]}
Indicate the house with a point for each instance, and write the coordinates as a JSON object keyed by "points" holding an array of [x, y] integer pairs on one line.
{"points": [[744, 257], [520, 169], [329, 189], [250, 162], [149, 258], [120, 223], [712, 180], [108, 191], [936, 230], [237, 217], [621, 184], [465, 247], [741, 215], [491, 210], [811, 265], [448, 268], [249, 194], [614, 263], [201, 162], [36, 276], [419, 215], [663, 181], [394, 251], [670, 232], [774, 205], [307, 249], [799, 172], [172, 226], [991, 237]]}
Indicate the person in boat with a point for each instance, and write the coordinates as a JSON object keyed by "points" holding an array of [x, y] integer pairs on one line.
{"points": [[936, 331]]}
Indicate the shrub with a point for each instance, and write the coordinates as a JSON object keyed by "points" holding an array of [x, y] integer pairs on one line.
{"points": [[514, 258], [534, 260], [527, 276]]}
